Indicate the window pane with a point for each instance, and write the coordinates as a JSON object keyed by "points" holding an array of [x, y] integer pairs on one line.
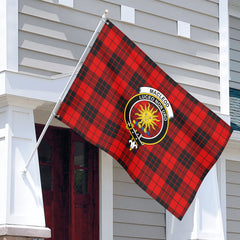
{"points": [[81, 181], [44, 152], [46, 177], [79, 154]]}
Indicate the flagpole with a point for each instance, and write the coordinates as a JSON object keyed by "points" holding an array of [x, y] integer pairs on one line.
{"points": [[64, 92]]}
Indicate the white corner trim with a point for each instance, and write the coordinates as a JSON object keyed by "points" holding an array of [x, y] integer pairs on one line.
{"points": [[183, 29], [127, 14], [9, 35], [106, 196], [224, 56]]}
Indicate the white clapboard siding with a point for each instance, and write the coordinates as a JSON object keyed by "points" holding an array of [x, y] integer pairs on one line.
{"points": [[235, 52], [197, 17], [136, 215], [233, 200], [52, 38]]}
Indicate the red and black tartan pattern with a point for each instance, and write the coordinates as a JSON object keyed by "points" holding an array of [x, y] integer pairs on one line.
{"points": [[170, 171]]}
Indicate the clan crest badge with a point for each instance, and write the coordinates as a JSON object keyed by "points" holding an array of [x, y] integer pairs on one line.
{"points": [[147, 116]]}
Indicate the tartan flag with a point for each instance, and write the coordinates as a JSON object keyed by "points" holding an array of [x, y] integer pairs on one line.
{"points": [[125, 104]]}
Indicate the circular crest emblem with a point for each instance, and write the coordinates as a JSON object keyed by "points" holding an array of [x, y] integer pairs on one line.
{"points": [[147, 117]]}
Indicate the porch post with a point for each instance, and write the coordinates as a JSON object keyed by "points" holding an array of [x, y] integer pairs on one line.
{"points": [[21, 204]]}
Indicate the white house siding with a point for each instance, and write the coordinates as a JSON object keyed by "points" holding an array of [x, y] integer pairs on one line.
{"points": [[136, 215], [52, 38], [233, 199], [234, 31]]}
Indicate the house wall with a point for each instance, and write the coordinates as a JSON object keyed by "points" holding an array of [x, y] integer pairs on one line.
{"points": [[136, 215], [233, 162], [234, 25], [233, 199], [52, 38]]}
